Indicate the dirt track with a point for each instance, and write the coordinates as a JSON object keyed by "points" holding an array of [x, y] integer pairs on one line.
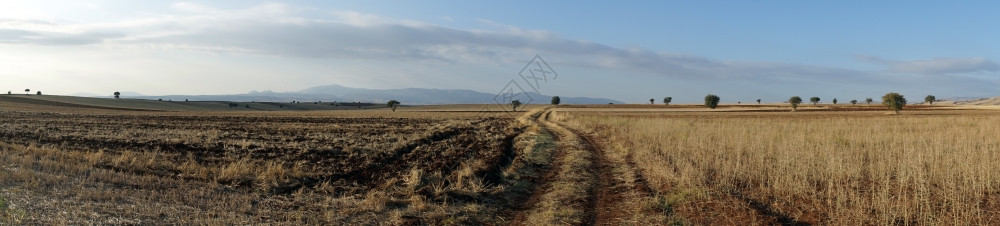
{"points": [[611, 188]]}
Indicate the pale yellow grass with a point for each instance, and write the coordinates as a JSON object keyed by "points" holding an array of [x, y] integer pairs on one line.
{"points": [[831, 170]]}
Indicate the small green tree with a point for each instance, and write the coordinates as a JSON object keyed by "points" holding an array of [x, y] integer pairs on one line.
{"points": [[854, 102], [26, 91], [930, 99], [814, 100], [117, 94], [894, 101], [392, 104], [834, 101], [868, 100], [556, 100], [795, 101], [39, 93], [651, 100], [712, 101], [514, 104], [667, 100], [758, 101]]}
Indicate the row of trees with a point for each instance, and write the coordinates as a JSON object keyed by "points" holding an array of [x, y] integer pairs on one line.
{"points": [[894, 101], [26, 92], [815, 100]]}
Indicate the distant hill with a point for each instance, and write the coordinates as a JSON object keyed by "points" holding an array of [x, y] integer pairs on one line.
{"points": [[73, 103], [973, 101], [409, 96]]}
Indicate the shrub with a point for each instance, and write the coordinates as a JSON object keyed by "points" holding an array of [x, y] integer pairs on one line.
{"points": [[814, 100], [712, 101]]}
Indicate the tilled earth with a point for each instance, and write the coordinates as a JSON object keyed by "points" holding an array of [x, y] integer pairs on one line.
{"points": [[222, 168]]}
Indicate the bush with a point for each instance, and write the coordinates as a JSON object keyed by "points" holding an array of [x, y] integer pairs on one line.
{"points": [[814, 100], [556, 100], [712, 101]]}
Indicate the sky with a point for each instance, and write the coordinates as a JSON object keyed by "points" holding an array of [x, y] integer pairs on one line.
{"points": [[634, 51]]}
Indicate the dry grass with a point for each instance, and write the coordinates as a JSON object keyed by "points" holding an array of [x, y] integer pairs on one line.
{"points": [[867, 168]]}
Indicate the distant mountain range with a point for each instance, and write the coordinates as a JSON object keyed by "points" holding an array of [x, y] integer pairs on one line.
{"points": [[408, 96]]}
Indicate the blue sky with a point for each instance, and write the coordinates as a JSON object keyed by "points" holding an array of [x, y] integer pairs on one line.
{"points": [[740, 50]]}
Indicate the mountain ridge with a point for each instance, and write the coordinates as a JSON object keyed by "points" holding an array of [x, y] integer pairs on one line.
{"points": [[408, 96]]}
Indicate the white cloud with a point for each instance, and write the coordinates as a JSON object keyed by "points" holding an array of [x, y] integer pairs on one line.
{"points": [[936, 66], [278, 30]]}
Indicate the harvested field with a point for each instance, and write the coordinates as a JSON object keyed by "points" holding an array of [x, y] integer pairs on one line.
{"points": [[931, 166], [590, 165], [307, 167]]}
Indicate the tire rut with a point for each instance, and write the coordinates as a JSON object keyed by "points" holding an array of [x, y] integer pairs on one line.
{"points": [[601, 202], [605, 197], [543, 184]]}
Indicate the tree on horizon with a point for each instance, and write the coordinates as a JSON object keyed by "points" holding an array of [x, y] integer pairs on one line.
{"points": [[712, 101], [393, 104], [894, 101], [795, 101]]}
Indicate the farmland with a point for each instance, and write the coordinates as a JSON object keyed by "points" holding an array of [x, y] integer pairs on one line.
{"points": [[71, 162], [77, 165], [932, 166]]}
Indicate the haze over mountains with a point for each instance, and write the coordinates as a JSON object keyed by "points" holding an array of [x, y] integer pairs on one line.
{"points": [[409, 96]]}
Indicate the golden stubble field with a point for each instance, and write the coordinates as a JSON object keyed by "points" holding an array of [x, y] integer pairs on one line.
{"points": [[67, 164], [928, 166]]}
